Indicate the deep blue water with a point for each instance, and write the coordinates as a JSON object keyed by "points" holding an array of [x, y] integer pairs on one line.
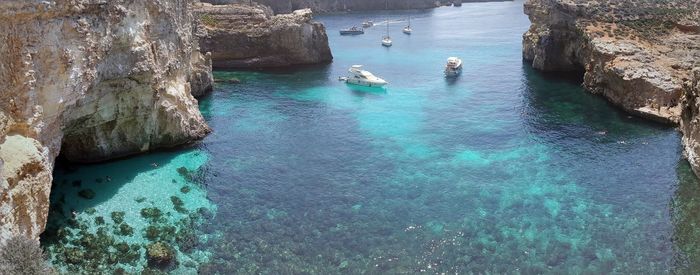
{"points": [[503, 170]]}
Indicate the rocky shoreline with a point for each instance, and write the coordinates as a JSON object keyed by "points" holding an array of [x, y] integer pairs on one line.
{"points": [[640, 56], [331, 6]]}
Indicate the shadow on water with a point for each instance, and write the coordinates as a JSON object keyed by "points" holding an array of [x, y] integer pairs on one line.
{"points": [[363, 91], [108, 182], [280, 70], [452, 81], [79, 188], [554, 102], [685, 206]]}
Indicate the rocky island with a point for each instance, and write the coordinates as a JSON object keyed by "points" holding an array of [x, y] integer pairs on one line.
{"points": [[244, 36], [643, 55]]}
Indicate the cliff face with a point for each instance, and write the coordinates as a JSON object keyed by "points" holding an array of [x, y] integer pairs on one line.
{"points": [[241, 36], [325, 6], [639, 70], [94, 80], [690, 122], [638, 54], [287, 6]]}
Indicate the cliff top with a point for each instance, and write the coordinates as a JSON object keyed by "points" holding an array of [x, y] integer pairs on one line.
{"points": [[246, 18], [650, 18], [667, 32]]}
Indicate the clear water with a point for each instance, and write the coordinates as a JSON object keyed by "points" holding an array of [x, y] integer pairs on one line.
{"points": [[503, 170]]}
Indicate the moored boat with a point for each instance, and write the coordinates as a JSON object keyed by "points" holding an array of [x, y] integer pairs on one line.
{"points": [[386, 41], [352, 31], [453, 67], [407, 29], [358, 76]]}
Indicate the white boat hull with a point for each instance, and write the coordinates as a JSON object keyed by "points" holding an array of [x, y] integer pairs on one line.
{"points": [[453, 72], [386, 43], [365, 83]]}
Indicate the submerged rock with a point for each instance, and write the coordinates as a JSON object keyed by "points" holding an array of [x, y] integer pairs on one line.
{"points": [[244, 36], [125, 230], [160, 254], [178, 204], [117, 217], [185, 189], [151, 213]]}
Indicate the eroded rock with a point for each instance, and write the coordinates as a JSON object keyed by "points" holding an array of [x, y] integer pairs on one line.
{"points": [[640, 55], [243, 36]]}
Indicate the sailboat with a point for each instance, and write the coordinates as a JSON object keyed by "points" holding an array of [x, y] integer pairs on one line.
{"points": [[407, 29], [386, 40]]}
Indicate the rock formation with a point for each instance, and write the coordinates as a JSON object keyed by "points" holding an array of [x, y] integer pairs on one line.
{"points": [[94, 80], [243, 36], [325, 6], [638, 54]]}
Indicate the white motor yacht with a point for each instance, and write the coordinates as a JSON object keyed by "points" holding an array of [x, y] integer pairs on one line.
{"points": [[453, 67], [358, 76]]}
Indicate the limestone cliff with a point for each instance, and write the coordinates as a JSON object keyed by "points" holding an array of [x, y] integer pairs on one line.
{"points": [[638, 54], [625, 59], [243, 36], [92, 79]]}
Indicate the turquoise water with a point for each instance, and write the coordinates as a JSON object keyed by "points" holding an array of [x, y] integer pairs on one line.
{"points": [[503, 170]]}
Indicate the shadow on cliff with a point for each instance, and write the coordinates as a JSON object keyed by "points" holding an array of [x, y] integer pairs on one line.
{"points": [[556, 104]]}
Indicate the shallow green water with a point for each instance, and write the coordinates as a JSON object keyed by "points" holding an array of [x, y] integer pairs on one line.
{"points": [[503, 170]]}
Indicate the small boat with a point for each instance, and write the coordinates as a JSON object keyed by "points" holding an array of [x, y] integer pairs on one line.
{"points": [[453, 67], [386, 41], [367, 24], [358, 76], [407, 29], [352, 31]]}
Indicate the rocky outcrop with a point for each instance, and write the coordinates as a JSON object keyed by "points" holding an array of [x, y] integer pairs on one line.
{"points": [[326, 6], [637, 69], [640, 55], [690, 121], [94, 80], [242, 36]]}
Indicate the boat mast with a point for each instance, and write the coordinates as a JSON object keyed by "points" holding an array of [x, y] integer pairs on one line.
{"points": [[387, 19]]}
